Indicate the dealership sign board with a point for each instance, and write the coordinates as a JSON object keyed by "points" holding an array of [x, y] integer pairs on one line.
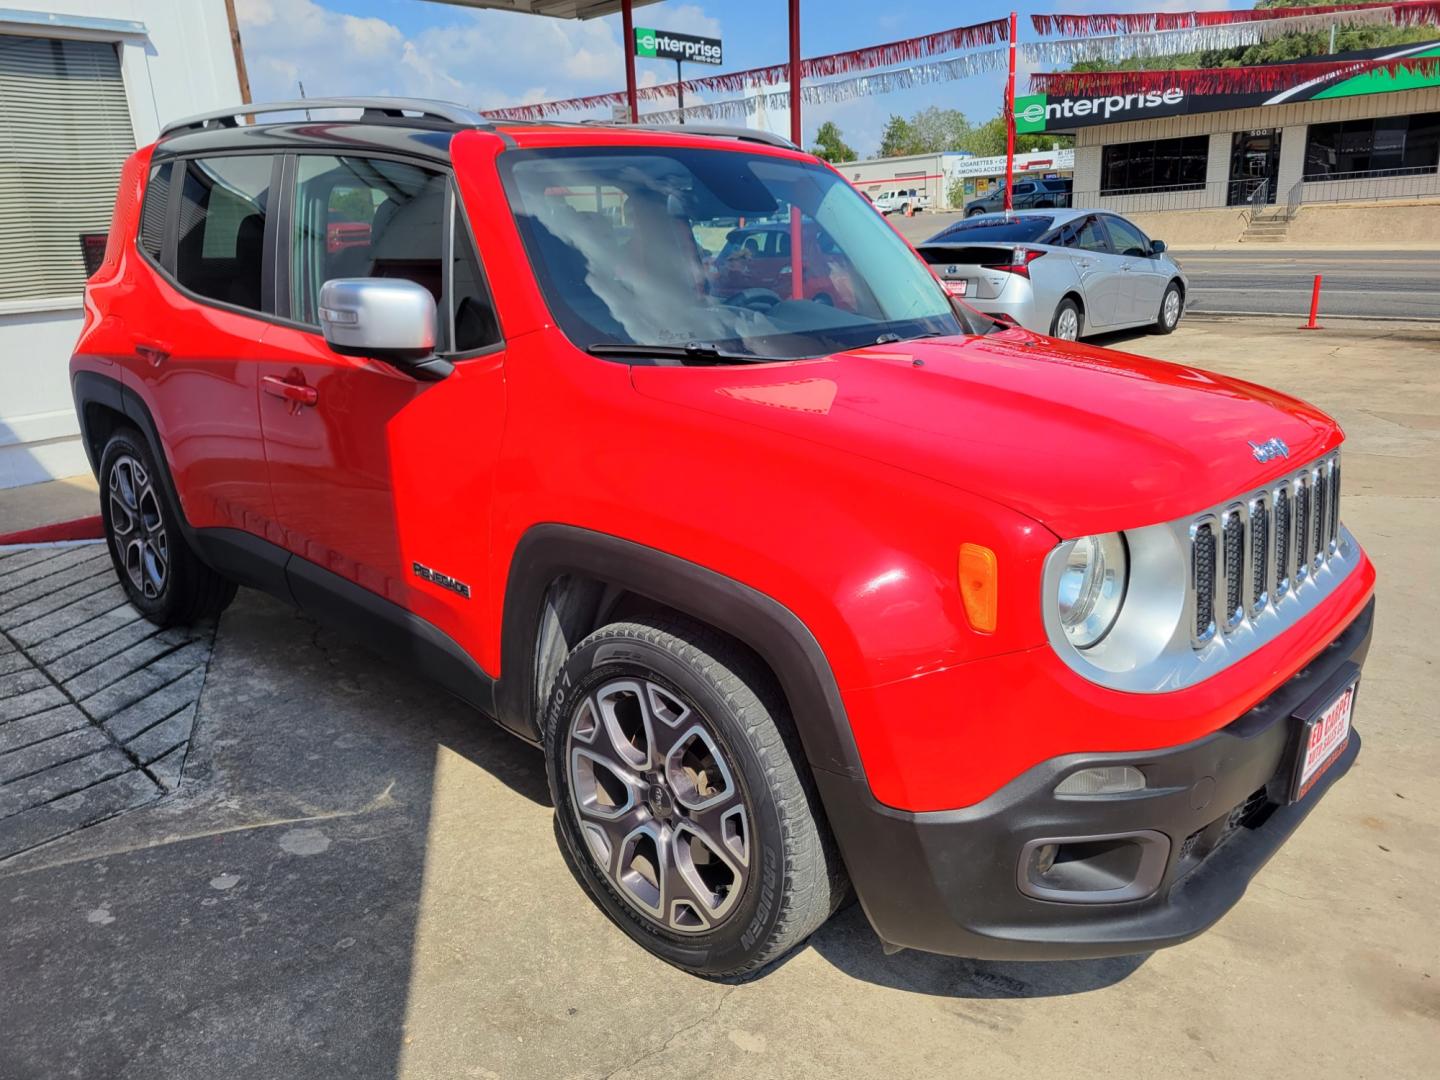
{"points": [[1063, 112], [664, 45]]}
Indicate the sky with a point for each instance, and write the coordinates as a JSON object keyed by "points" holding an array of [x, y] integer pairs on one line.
{"points": [[489, 59]]}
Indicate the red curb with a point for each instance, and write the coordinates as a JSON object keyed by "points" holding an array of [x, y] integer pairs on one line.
{"points": [[88, 528]]}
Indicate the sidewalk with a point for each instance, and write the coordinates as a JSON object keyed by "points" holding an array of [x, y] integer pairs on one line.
{"points": [[34, 506]]}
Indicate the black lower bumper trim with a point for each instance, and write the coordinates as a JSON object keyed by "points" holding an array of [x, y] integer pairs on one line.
{"points": [[946, 882]]}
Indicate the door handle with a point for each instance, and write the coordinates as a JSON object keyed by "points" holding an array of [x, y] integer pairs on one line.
{"points": [[295, 393], [152, 351]]}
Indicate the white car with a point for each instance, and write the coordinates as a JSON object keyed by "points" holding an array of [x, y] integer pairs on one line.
{"points": [[902, 200]]}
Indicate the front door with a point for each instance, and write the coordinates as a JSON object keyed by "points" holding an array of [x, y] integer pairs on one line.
{"points": [[1254, 166], [372, 471], [1142, 276], [1097, 268]]}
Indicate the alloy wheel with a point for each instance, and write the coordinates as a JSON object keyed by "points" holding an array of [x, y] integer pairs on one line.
{"points": [[1067, 325], [658, 804], [137, 528], [1171, 312]]}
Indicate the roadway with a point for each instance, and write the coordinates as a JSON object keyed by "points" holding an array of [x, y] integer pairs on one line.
{"points": [[1272, 281]]}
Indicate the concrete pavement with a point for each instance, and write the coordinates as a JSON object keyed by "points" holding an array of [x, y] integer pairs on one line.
{"points": [[357, 878]]}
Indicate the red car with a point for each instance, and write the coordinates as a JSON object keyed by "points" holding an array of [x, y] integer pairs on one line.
{"points": [[758, 256], [1045, 649]]}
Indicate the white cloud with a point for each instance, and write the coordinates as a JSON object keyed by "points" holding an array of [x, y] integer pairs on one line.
{"points": [[485, 59]]}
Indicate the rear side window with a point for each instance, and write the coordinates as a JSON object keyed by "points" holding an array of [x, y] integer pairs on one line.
{"points": [[152, 213], [220, 249], [977, 230]]}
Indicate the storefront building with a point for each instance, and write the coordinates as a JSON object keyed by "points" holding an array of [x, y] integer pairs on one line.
{"points": [[945, 178], [82, 84], [1371, 136]]}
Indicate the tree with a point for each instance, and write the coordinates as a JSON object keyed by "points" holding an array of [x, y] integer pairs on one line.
{"points": [[899, 138], [829, 146]]}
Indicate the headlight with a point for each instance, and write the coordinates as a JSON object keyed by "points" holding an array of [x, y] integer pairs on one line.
{"points": [[1092, 588]]}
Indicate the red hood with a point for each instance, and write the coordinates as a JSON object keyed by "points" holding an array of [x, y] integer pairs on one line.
{"points": [[1081, 439]]}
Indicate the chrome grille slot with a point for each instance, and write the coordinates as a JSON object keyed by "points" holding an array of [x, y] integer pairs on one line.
{"points": [[1202, 581], [1302, 528], [1233, 568], [1282, 541], [1258, 555]]}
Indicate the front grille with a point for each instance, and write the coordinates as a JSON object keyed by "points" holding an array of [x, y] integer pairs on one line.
{"points": [[1236, 566]]}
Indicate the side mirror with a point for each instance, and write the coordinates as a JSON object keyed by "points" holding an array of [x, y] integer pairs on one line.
{"points": [[1157, 247], [391, 320]]}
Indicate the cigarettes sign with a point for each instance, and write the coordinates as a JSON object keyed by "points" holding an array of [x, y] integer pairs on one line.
{"points": [[663, 45]]}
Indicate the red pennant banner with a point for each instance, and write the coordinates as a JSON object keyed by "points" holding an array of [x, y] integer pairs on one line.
{"points": [[1411, 13], [819, 67], [1219, 80]]}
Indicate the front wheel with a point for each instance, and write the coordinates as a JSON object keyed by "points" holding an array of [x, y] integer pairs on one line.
{"points": [[1067, 321], [681, 799], [1172, 306]]}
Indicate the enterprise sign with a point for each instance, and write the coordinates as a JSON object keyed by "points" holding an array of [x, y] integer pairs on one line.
{"points": [[1037, 112], [664, 45]]}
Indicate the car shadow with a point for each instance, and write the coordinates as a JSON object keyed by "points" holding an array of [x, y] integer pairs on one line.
{"points": [[848, 943], [1118, 339]]}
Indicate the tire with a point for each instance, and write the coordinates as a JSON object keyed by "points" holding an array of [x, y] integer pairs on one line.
{"points": [[976, 212], [1172, 307], [165, 581], [1066, 312], [767, 876]]}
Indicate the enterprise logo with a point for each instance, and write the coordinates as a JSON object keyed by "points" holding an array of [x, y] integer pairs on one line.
{"points": [[1034, 113]]}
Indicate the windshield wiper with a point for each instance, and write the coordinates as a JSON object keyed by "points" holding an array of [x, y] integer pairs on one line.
{"points": [[891, 339], [693, 350]]}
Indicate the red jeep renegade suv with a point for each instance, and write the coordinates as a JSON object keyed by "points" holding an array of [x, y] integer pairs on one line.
{"points": [[1043, 649]]}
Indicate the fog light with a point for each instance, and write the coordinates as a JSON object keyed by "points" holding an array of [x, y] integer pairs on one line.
{"points": [[1106, 780]]}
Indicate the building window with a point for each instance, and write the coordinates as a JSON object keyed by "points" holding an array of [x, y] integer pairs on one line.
{"points": [[1154, 165], [1368, 149], [64, 136]]}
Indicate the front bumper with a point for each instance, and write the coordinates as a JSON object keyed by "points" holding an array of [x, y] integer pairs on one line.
{"points": [[950, 881]]}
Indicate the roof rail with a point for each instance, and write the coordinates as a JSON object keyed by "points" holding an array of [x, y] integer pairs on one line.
{"points": [[715, 130], [372, 107]]}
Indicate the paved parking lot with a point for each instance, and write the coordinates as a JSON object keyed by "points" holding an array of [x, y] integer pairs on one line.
{"points": [[356, 878]]}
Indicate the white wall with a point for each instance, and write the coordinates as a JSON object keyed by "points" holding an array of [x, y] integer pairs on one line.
{"points": [[176, 62]]}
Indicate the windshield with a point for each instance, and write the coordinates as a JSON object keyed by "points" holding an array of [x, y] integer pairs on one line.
{"points": [[751, 254]]}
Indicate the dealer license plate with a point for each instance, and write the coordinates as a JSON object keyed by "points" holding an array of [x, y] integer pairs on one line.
{"points": [[957, 288], [1323, 738]]}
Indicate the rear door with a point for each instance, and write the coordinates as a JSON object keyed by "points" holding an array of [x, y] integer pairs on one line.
{"points": [[197, 346], [1099, 270], [375, 473], [1145, 276]]}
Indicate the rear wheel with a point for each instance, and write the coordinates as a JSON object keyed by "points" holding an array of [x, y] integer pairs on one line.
{"points": [[1172, 306], [680, 799], [161, 576], [1067, 321]]}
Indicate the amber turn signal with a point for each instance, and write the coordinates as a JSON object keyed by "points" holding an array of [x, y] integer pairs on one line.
{"points": [[978, 586]]}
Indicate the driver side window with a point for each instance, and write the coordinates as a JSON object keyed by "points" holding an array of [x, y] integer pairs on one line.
{"points": [[1128, 240]]}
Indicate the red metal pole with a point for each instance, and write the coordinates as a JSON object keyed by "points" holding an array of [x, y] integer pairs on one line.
{"points": [[1010, 124], [627, 22], [1314, 307], [797, 263]]}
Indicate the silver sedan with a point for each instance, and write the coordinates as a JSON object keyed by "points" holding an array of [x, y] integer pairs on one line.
{"points": [[1066, 273]]}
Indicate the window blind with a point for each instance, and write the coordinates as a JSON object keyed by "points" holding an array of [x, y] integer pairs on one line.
{"points": [[64, 135]]}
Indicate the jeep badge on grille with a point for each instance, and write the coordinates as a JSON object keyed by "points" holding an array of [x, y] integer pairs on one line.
{"points": [[1269, 449]]}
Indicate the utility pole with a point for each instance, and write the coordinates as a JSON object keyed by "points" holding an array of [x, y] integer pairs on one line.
{"points": [[1010, 124], [627, 22]]}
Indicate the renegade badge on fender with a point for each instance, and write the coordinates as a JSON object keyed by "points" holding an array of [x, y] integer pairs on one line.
{"points": [[1046, 649]]}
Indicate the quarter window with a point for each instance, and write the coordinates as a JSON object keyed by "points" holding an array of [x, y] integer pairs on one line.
{"points": [[1154, 165], [220, 248], [152, 214]]}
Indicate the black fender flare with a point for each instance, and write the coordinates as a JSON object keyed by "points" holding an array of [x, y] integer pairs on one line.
{"points": [[549, 551]]}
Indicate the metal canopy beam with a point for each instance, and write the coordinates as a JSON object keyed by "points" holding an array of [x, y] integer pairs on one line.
{"points": [[556, 9]]}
